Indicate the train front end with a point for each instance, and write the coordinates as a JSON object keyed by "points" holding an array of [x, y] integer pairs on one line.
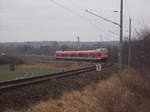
{"points": [[103, 54]]}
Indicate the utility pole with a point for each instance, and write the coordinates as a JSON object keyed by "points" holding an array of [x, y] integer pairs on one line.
{"points": [[120, 54], [129, 43], [101, 37], [121, 37], [78, 39], [100, 41]]}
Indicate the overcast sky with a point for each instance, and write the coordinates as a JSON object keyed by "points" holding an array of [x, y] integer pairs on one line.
{"points": [[64, 20]]}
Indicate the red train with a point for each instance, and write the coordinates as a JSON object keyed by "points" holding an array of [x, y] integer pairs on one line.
{"points": [[94, 55]]}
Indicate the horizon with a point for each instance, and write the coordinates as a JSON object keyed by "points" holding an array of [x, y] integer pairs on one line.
{"points": [[57, 41]]}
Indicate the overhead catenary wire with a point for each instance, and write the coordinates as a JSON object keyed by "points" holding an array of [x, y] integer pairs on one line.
{"points": [[103, 18], [67, 9], [71, 11], [78, 15]]}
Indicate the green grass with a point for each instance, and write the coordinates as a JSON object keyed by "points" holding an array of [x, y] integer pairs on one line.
{"points": [[5, 74]]}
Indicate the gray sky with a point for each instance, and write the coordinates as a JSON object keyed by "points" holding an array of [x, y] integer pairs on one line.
{"points": [[64, 20]]}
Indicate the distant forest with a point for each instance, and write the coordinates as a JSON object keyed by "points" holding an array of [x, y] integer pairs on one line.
{"points": [[49, 47]]}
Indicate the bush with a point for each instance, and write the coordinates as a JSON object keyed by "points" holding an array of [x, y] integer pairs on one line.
{"points": [[113, 54], [9, 59], [140, 51], [127, 93]]}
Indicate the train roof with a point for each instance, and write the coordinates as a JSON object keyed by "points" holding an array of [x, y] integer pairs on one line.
{"points": [[88, 51]]}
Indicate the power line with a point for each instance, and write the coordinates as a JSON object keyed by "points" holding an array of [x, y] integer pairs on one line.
{"points": [[72, 12], [103, 18], [76, 14], [66, 8]]}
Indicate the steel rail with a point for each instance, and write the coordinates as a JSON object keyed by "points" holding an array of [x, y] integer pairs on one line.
{"points": [[42, 78]]}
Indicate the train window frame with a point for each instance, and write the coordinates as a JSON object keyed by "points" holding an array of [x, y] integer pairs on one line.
{"points": [[83, 55], [92, 55]]}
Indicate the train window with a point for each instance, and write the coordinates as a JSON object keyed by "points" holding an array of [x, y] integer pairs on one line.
{"points": [[104, 50], [83, 55], [80, 55], [86, 55], [72, 55], [92, 55], [76, 55], [62, 55]]}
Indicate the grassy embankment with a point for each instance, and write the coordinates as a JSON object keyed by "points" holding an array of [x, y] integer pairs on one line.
{"points": [[128, 93], [23, 71], [34, 69]]}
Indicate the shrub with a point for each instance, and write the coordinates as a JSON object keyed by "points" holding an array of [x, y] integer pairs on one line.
{"points": [[127, 93], [140, 51], [9, 59]]}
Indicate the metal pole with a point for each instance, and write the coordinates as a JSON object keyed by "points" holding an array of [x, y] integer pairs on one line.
{"points": [[129, 43], [121, 37], [101, 37], [78, 38]]}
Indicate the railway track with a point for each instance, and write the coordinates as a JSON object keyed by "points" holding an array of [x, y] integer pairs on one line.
{"points": [[38, 79]]}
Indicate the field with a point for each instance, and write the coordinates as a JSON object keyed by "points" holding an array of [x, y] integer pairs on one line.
{"points": [[23, 71], [35, 69]]}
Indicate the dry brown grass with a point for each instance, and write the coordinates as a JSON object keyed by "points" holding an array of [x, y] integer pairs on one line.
{"points": [[128, 93], [113, 95], [76, 101], [140, 53]]}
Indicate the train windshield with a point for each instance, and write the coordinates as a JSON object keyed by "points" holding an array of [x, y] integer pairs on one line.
{"points": [[103, 50]]}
